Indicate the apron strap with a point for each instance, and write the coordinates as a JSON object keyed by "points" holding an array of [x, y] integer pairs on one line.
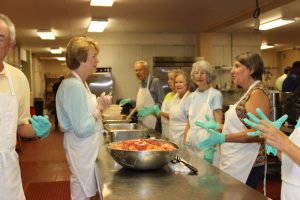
{"points": [[148, 81], [84, 83], [209, 95], [11, 86], [253, 84]]}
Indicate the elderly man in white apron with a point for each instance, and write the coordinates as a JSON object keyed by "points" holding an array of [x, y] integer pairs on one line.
{"points": [[14, 116], [150, 93]]}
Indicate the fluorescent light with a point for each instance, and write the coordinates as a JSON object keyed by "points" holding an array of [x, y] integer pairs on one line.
{"points": [[267, 46], [97, 25], [56, 51], [46, 35], [61, 58], [106, 3], [275, 23]]}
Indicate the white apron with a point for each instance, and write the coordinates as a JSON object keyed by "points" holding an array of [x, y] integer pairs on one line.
{"points": [[165, 107], [197, 134], [237, 159], [143, 99], [178, 119], [82, 154], [290, 172], [10, 176]]}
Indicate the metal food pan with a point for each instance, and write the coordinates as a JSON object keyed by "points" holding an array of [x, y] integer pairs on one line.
{"points": [[124, 131]]}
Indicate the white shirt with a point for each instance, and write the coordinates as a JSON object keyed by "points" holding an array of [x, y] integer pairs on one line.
{"points": [[279, 82], [22, 90]]}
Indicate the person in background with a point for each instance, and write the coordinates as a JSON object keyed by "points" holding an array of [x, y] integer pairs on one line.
{"points": [[178, 113], [211, 102], [288, 153], [178, 110], [14, 116], [54, 89], [280, 79], [293, 79], [242, 156], [150, 94], [165, 108], [79, 117]]}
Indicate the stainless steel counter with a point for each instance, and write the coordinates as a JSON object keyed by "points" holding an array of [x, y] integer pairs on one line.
{"points": [[210, 183]]}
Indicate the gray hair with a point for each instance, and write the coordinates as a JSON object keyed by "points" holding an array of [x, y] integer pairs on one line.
{"points": [[143, 63], [203, 65], [10, 25]]}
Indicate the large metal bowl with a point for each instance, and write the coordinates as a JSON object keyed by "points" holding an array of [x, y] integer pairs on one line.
{"points": [[142, 160]]}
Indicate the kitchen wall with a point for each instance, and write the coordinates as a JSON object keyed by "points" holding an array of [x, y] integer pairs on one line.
{"points": [[120, 51], [278, 60]]}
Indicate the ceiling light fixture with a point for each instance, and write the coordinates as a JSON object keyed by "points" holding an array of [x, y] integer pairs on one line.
{"points": [[97, 25], [61, 58], [56, 51], [46, 35], [266, 46], [275, 23], [106, 3]]}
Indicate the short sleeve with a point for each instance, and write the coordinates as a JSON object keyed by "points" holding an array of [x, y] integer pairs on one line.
{"points": [[217, 100]]}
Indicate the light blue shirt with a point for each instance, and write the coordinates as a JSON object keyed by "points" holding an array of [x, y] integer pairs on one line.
{"points": [[72, 108], [200, 98]]}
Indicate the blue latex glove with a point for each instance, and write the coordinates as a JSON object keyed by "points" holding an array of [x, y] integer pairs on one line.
{"points": [[209, 124], [298, 123], [278, 123], [212, 140], [144, 111], [209, 154], [255, 121], [124, 101], [41, 125]]}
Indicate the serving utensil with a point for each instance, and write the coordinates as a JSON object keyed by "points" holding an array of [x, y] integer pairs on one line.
{"points": [[131, 113], [191, 167]]}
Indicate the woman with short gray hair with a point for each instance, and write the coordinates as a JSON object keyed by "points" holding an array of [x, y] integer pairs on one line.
{"points": [[203, 66], [206, 102]]}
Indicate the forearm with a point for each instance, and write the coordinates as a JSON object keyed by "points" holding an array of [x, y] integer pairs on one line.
{"points": [[164, 114], [242, 137], [26, 131], [293, 151], [218, 116]]}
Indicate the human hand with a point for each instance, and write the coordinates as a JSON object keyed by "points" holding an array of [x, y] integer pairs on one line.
{"points": [[145, 111], [104, 101], [124, 102], [97, 114], [209, 124], [255, 121], [209, 154], [41, 125], [214, 138], [274, 138]]}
